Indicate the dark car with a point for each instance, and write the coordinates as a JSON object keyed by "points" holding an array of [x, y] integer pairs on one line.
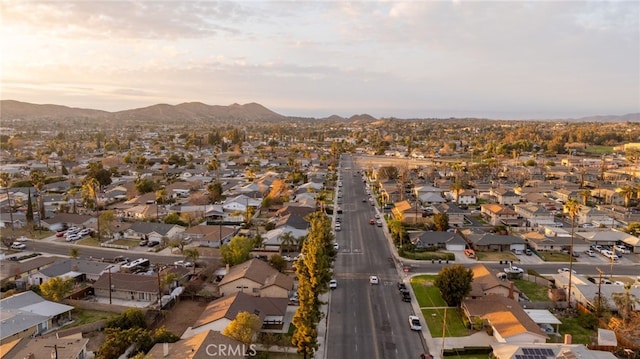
{"points": [[406, 297], [153, 243]]}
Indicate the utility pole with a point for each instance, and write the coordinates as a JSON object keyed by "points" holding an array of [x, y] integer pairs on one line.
{"points": [[54, 353], [599, 307], [110, 286]]}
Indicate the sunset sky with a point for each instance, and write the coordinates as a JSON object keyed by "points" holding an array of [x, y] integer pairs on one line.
{"points": [[414, 59]]}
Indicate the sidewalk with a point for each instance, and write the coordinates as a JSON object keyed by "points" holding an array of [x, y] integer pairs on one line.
{"points": [[323, 324]]}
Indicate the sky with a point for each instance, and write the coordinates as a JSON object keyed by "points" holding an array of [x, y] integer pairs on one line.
{"points": [[411, 59]]}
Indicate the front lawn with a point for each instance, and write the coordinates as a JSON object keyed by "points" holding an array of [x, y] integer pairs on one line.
{"points": [[426, 293], [555, 257], [496, 256], [454, 324], [86, 316], [535, 292]]}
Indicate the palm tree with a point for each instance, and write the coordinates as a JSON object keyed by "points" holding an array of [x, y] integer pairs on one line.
{"points": [[38, 179], [4, 182], [90, 190], [585, 193], [192, 254], [625, 302], [627, 192], [287, 240], [571, 207]]}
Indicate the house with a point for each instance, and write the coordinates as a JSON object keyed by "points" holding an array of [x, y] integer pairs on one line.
{"points": [[586, 292], [154, 231], [209, 235], [407, 213], [451, 241], [219, 313], [455, 213], [297, 227], [204, 345], [72, 347], [499, 214], [140, 289], [257, 278], [28, 314], [547, 351], [535, 215], [467, 197], [505, 197], [610, 238], [486, 282], [69, 219], [508, 321], [18, 271], [79, 269], [590, 215], [489, 242], [554, 239]]}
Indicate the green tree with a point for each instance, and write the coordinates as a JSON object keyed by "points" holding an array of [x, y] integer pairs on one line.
{"points": [[107, 220], [287, 241], [454, 283], [214, 191], [237, 250], [585, 194], [313, 270], [627, 193], [57, 288], [130, 318], [244, 327], [441, 222], [145, 185], [38, 180], [4, 182], [278, 262], [117, 340]]}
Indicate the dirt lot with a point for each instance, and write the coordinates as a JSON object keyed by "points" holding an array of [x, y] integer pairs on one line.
{"points": [[182, 315]]}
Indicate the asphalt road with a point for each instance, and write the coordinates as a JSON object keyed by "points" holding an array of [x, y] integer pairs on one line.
{"points": [[365, 320]]}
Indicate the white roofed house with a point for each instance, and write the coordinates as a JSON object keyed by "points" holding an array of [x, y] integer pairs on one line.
{"points": [[27, 314], [235, 208], [535, 215]]}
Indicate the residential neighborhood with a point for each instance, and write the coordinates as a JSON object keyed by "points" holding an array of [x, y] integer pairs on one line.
{"points": [[219, 223]]}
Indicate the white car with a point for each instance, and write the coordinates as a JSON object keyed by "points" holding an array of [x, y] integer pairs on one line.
{"points": [[374, 280], [513, 269], [73, 237], [333, 284], [414, 323], [22, 239], [183, 264], [590, 253], [336, 246], [18, 245]]}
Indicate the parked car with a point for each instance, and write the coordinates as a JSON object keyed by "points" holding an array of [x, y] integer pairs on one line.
{"points": [[333, 284], [18, 246], [406, 297], [144, 242], [336, 246], [513, 270], [372, 221], [379, 223], [73, 237], [590, 253], [528, 252], [374, 280], [470, 253], [153, 243], [414, 323]]}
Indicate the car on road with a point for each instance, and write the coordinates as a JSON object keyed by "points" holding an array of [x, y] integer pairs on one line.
{"points": [[528, 252], [183, 263], [376, 216], [333, 284], [414, 323], [374, 280], [18, 245], [566, 270], [372, 221], [406, 297], [379, 223], [402, 286], [513, 269]]}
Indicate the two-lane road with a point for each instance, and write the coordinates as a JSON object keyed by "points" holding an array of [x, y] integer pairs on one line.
{"points": [[366, 320]]}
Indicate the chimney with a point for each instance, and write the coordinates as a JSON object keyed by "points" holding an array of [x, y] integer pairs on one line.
{"points": [[165, 349], [567, 339], [510, 296]]}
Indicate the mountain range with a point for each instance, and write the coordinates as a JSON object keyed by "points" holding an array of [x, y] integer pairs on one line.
{"points": [[11, 109]]}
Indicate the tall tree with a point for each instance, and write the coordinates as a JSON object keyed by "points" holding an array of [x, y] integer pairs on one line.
{"points": [[38, 180], [4, 182], [287, 240], [627, 193], [441, 222], [572, 207], [454, 283], [192, 255], [625, 302], [313, 271], [585, 194], [90, 190]]}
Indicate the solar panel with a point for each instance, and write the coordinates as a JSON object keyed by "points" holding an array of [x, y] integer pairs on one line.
{"points": [[548, 352], [525, 351]]}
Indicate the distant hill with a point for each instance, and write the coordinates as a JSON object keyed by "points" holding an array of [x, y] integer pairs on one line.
{"points": [[10, 109]]}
